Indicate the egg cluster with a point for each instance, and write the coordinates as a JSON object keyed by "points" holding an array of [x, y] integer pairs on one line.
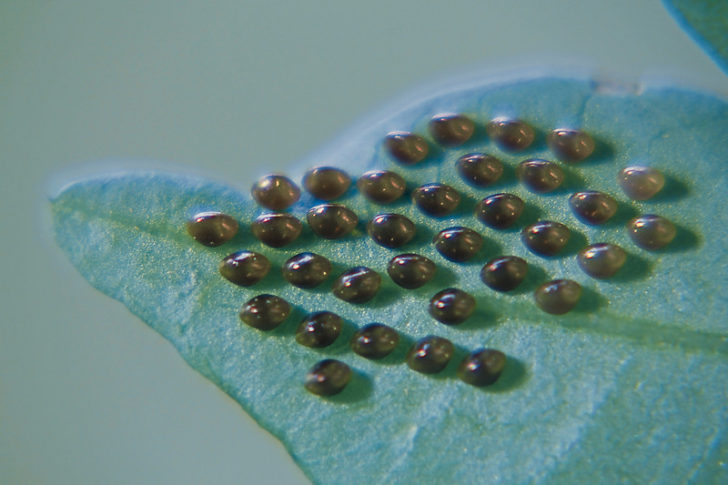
{"points": [[458, 244]]}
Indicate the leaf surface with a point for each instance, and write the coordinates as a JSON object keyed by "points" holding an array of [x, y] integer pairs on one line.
{"points": [[631, 386], [707, 23]]}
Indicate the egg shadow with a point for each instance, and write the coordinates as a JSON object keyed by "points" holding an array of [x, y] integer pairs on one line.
{"points": [[423, 238], [623, 215], [376, 207], [535, 277], [466, 207], [685, 240], [342, 345], [573, 182], [304, 241], [483, 317], [360, 388], [507, 179], [444, 277], [388, 294], [337, 269], [476, 140], [635, 268], [515, 374], [489, 250], [590, 301], [321, 289], [603, 152], [531, 213], [244, 237], [435, 157], [537, 145], [673, 190], [577, 241], [345, 198], [272, 281]]}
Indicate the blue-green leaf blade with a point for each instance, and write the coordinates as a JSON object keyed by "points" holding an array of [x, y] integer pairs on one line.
{"points": [[631, 386], [707, 23]]}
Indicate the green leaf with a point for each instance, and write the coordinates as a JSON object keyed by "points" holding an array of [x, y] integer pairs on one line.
{"points": [[631, 386], [707, 23]]}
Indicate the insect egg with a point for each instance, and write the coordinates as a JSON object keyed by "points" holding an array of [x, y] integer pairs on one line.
{"points": [[479, 169], [265, 312], [570, 145], [545, 238], [436, 200], [499, 211], [374, 341], [212, 228], [651, 231], [391, 230], [411, 270], [593, 207], [510, 134], [357, 285], [275, 192], [451, 306], [406, 148], [558, 296], [430, 354], [276, 230], [326, 183], [331, 221], [451, 129], [504, 273], [458, 243], [601, 260], [306, 270], [640, 183], [319, 329], [381, 186], [327, 378], [244, 268], [540, 176], [482, 367]]}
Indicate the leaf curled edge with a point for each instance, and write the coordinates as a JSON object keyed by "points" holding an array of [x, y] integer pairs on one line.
{"points": [[707, 23]]}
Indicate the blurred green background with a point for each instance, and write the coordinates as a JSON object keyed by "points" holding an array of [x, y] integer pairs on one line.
{"points": [[231, 89]]}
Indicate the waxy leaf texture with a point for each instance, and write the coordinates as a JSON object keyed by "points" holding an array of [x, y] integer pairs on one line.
{"points": [[629, 387]]}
